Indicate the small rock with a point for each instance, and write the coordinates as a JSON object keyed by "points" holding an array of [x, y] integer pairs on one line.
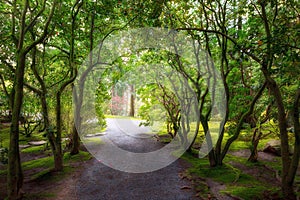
{"points": [[95, 135], [273, 147], [37, 143], [24, 146]]}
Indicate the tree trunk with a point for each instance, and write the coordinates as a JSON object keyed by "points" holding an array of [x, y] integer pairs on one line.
{"points": [[72, 63], [131, 111], [241, 121], [15, 174], [55, 147], [211, 154], [218, 147], [77, 119], [58, 155], [195, 137], [58, 159], [287, 187], [75, 141], [255, 140]]}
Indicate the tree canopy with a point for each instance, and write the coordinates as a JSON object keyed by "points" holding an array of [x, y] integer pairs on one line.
{"points": [[254, 44]]}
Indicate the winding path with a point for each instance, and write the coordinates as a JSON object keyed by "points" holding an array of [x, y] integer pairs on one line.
{"points": [[102, 182]]}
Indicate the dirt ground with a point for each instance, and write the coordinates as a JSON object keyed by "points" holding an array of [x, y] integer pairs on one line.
{"points": [[93, 180]]}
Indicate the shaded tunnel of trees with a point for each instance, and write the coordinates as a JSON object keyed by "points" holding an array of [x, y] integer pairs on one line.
{"points": [[253, 43]]}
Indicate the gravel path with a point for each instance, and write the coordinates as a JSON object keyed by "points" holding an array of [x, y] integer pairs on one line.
{"points": [[102, 182]]}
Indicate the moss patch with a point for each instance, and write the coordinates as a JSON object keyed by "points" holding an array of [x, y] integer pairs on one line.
{"points": [[249, 192], [48, 162], [82, 156], [34, 149], [38, 163], [236, 182], [39, 196], [50, 176], [3, 172], [4, 137], [92, 140]]}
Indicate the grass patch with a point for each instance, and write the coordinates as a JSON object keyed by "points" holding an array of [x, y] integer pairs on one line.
{"points": [[223, 174], [3, 172], [42, 175], [34, 149], [164, 137], [35, 136], [38, 163], [249, 192], [48, 162], [93, 140], [4, 137], [5, 132], [276, 165], [44, 166], [238, 145], [82, 156], [262, 143], [237, 183], [50, 176], [39, 196], [233, 158]]}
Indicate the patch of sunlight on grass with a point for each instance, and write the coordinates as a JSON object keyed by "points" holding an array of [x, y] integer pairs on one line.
{"points": [[45, 162], [238, 145], [4, 137], [38, 163], [92, 140], [48, 162], [82, 156], [33, 149], [224, 174], [5, 132]]}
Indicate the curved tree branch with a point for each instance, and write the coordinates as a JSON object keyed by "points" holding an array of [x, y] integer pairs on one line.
{"points": [[244, 50]]}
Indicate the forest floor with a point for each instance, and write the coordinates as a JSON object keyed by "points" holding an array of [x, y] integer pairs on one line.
{"points": [[87, 178], [92, 180]]}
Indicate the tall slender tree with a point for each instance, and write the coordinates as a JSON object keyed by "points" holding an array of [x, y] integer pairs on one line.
{"points": [[30, 16]]}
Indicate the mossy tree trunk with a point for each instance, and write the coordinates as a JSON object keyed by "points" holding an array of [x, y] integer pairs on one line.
{"points": [[288, 164], [255, 140], [15, 174]]}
